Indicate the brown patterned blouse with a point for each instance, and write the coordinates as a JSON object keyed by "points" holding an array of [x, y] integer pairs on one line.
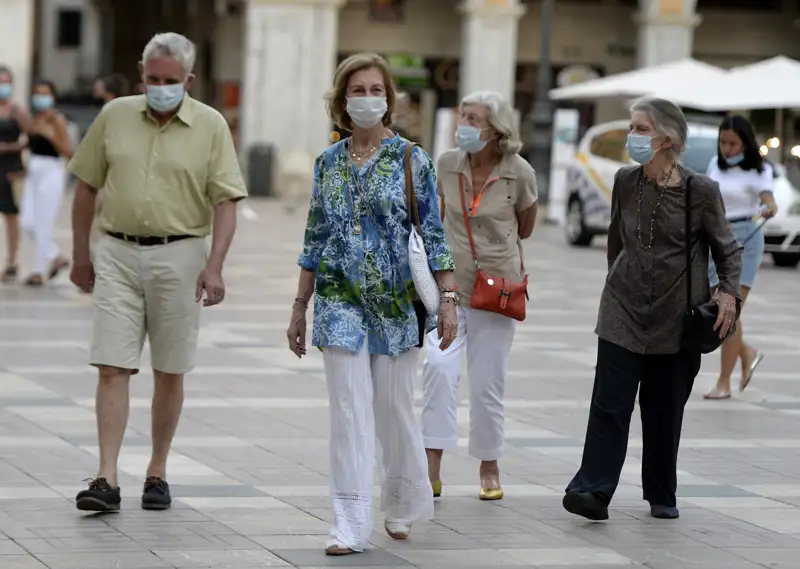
{"points": [[643, 302]]}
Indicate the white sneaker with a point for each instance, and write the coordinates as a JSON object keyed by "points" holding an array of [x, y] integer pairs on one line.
{"points": [[396, 530]]}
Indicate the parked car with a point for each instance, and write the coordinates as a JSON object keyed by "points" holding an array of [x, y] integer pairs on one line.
{"points": [[602, 152]]}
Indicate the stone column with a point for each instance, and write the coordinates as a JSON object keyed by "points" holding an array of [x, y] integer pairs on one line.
{"points": [[16, 44], [290, 58], [489, 46], [666, 31]]}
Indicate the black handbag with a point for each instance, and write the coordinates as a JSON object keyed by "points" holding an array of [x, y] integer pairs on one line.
{"points": [[698, 321]]}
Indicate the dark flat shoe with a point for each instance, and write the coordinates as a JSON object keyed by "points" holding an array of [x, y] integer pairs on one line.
{"points": [[585, 504], [34, 281], [664, 512], [9, 275], [58, 265]]}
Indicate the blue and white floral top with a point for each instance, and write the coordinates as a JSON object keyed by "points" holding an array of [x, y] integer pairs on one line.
{"points": [[364, 287]]}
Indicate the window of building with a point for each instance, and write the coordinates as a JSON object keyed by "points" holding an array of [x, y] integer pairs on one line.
{"points": [[392, 11], [69, 28], [610, 145]]}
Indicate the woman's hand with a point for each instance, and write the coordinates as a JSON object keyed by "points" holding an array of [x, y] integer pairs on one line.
{"points": [[726, 317], [44, 129], [770, 211], [448, 323], [297, 330]]}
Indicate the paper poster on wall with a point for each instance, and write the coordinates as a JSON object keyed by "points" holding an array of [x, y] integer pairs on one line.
{"points": [[566, 123]]}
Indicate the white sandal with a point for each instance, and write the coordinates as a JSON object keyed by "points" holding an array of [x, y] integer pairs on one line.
{"points": [[746, 380], [717, 393], [337, 550], [396, 530]]}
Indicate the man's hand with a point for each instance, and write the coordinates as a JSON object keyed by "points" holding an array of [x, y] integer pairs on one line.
{"points": [[210, 281], [82, 276]]}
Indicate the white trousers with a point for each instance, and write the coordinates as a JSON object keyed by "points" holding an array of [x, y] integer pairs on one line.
{"points": [[41, 201], [486, 337], [369, 396]]}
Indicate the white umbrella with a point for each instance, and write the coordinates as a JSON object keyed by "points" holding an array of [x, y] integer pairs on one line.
{"points": [[679, 80], [769, 84]]}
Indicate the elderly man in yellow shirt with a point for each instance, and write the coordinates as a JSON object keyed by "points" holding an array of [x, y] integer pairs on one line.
{"points": [[168, 167]]}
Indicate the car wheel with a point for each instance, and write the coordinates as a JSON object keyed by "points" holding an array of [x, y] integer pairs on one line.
{"points": [[790, 260], [577, 233]]}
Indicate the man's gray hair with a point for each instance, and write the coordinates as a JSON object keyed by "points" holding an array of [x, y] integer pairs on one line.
{"points": [[171, 45], [501, 118], [668, 120]]}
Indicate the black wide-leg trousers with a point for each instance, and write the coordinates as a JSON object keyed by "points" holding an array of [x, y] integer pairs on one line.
{"points": [[664, 383]]}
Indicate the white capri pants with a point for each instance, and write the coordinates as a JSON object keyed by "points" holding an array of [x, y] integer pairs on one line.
{"points": [[41, 201], [486, 337], [368, 396]]}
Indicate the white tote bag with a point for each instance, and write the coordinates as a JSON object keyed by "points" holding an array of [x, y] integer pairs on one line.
{"points": [[424, 281]]}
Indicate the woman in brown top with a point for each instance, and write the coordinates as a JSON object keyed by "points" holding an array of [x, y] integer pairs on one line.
{"points": [[640, 322]]}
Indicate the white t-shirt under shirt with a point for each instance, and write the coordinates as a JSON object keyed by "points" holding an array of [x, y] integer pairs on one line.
{"points": [[741, 188]]}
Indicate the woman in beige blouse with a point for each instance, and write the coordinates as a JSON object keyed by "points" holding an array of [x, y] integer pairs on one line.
{"points": [[500, 190], [640, 323]]}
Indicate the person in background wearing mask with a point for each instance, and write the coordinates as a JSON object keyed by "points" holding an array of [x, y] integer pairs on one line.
{"points": [[49, 145], [12, 121], [501, 197], [640, 320], [745, 180], [168, 168], [355, 262]]}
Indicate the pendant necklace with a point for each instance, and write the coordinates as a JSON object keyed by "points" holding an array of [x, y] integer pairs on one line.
{"points": [[655, 209]]}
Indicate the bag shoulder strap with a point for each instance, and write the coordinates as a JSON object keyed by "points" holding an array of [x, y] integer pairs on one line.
{"points": [[469, 229], [411, 194], [688, 240], [466, 218]]}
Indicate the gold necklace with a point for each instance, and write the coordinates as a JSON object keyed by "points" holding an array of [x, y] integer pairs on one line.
{"points": [[361, 154]]}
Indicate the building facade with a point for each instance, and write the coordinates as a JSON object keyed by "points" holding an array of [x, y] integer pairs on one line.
{"points": [[268, 63]]}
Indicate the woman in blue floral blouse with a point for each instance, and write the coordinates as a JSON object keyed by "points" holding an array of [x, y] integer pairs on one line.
{"points": [[355, 260]]}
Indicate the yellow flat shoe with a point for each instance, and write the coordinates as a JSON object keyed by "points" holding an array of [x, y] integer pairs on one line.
{"points": [[491, 494], [437, 488]]}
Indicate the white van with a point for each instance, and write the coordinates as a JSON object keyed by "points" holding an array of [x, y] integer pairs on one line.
{"points": [[602, 152]]}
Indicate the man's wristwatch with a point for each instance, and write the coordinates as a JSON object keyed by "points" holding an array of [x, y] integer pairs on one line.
{"points": [[450, 294]]}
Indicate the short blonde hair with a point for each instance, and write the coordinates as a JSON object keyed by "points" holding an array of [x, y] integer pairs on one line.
{"points": [[336, 98], [500, 118]]}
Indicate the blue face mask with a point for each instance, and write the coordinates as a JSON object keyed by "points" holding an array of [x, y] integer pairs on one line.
{"points": [[165, 98], [468, 139], [42, 102], [5, 90], [639, 149], [735, 160]]}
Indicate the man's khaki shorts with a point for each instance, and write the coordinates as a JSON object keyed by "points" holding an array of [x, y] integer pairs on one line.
{"points": [[149, 291]]}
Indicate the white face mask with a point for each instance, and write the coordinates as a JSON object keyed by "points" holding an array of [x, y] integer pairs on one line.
{"points": [[366, 112]]}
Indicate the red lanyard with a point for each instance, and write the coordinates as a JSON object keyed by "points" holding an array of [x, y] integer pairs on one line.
{"points": [[475, 201]]}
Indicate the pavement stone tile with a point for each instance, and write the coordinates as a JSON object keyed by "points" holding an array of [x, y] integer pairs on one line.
{"points": [[228, 558], [317, 558], [105, 560], [250, 461], [21, 562]]}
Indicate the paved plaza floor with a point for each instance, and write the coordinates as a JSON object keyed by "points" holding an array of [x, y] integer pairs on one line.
{"points": [[249, 467]]}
